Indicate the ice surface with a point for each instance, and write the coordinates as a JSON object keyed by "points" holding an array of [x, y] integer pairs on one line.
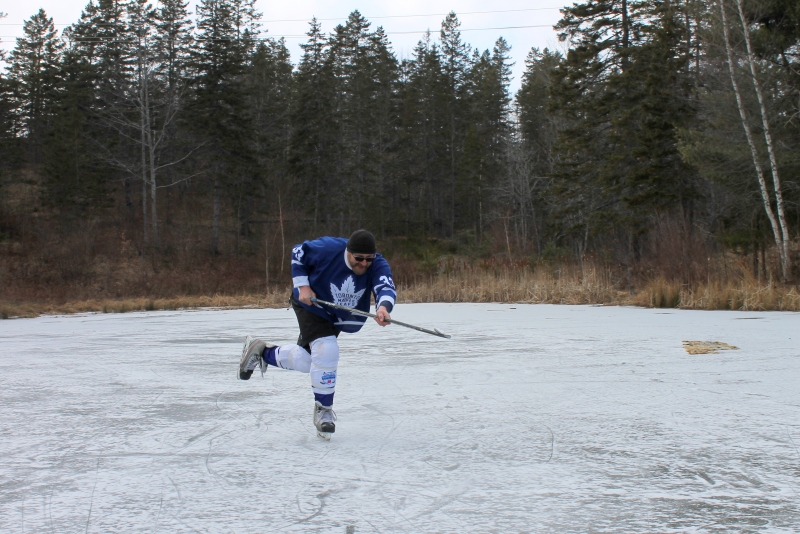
{"points": [[531, 419]]}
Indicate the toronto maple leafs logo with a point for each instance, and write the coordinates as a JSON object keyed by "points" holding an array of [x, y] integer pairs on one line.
{"points": [[347, 294], [297, 253]]}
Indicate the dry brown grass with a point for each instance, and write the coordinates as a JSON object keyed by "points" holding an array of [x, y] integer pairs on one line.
{"points": [[543, 285], [470, 283], [744, 295], [274, 299], [596, 286]]}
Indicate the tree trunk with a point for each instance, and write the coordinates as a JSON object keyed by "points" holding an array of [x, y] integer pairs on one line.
{"points": [[215, 220], [144, 176], [152, 152], [283, 236], [786, 267], [753, 151]]}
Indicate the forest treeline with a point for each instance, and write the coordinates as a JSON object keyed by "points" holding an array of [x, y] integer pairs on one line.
{"points": [[662, 134]]}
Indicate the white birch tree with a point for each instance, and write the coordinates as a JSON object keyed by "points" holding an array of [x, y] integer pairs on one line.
{"points": [[777, 231]]}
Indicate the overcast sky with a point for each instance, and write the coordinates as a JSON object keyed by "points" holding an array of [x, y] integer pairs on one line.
{"points": [[404, 21]]}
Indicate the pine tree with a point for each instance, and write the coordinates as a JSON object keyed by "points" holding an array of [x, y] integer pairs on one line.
{"points": [[173, 41], [530, 156], [623, 91], [313, 131], [77, 182], [349, 60], [100, 46], [33, 74], [537, 123], [455, 64], [489, 131], [227, 34], [270, 87], [364, 72], [424, 142], [385, 114]]}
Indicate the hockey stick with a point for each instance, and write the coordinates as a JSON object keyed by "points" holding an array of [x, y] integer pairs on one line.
{"points": [[433, 332]]}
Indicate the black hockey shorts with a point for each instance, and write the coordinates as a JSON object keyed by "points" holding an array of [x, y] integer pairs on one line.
{"points": [[312, 326]]}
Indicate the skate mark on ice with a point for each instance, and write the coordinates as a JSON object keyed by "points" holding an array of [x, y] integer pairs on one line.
{"points": [[792, 441], [91, 501], [552, 443], [200, 435], [441, 502], [367, 521], [160, 506], [706, 478], [386, 437], [320, 497], [177, 490], [208, 460], [794, 446], [232, 417], [174, 515], [50, 509], [157, 397], [260, 419]]}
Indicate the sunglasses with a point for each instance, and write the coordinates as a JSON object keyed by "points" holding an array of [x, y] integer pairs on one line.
{"points": [[368, 259]]}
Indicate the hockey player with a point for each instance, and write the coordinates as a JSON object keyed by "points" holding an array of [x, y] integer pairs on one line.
{"points": [[338, 270]]}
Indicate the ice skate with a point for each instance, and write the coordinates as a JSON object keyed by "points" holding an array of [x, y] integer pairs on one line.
{"points": [[324, 418], [252, 357]]}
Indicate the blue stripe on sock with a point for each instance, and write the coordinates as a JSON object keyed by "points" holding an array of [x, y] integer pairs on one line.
{"points": [[325, 399], [269, 356]]}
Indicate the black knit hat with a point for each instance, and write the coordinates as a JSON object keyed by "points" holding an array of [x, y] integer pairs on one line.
{"points": [[361, 242]]}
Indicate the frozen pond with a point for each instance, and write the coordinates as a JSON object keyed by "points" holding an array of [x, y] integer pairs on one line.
{"points": [[533, 418]]}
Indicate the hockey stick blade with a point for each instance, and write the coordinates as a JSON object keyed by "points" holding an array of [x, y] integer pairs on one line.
{"points": [[434, 332]]}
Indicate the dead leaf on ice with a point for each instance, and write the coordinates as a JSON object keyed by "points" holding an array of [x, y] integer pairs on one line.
{"points": [[706, 347]]}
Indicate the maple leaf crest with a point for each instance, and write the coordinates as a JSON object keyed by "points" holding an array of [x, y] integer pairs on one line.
{"points": [[347, 294]]}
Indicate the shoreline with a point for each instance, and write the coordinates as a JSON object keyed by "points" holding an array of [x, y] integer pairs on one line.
{"points": [[744, 296]]}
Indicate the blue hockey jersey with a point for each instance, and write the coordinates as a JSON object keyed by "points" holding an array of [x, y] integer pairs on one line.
{"points": [[322, 265]]}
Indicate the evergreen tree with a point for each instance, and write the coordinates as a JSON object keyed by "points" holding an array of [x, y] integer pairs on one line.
{"points": [[364, 72], [488, 134], [623, 91], [424, 142], [349, 59], [173, 41], [455, 64], [227, 34], [313, 131], [385, 113], [537, 123], [531, 154], [8, 135], [77, 182], [101, 48], [270, 87], [33, 75]]}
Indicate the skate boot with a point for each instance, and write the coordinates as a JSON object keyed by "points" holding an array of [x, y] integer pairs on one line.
{"points": [[324, 418], [251, 357]]}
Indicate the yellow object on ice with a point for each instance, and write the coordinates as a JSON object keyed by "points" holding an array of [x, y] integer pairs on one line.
{"points": [[706, 347]]}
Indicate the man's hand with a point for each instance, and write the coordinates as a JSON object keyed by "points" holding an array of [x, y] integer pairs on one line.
{"points": [[383, 316], [306, 294]]}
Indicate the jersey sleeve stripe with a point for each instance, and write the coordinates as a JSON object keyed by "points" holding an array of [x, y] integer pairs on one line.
{"points": [[386, 298]]}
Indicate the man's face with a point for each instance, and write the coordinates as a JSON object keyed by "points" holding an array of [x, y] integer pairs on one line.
{"points": [[360, 262]]}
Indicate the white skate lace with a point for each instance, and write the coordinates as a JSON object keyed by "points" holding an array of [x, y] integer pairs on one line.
{"points": [[255, 361], [326, 415]]}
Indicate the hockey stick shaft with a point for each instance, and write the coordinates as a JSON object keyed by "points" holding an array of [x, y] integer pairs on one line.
{"points": [[433, 332]]}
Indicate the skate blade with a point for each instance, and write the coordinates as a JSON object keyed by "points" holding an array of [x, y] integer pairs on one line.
{"points": [[324, 435]]}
